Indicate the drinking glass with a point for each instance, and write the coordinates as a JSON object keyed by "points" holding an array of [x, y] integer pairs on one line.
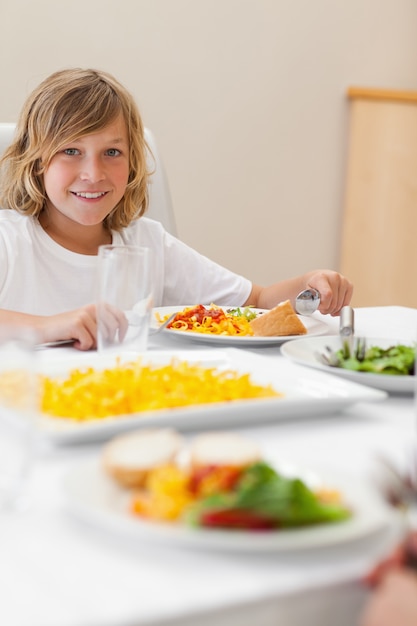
{"points": [[124, 301], [19, 404]]}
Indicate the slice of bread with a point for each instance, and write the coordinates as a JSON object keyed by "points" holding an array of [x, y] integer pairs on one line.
{"points": [[223, 448], [128, 458], [280, 321]]}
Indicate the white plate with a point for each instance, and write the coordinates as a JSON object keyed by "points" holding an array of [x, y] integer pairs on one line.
{"points": [[313, 325], [95, 499], [303, 351], [306, 393]]}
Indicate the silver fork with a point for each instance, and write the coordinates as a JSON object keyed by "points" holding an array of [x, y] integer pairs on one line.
{"points": [[360, 349], [329, 356], [69, 342], [154, 331]]}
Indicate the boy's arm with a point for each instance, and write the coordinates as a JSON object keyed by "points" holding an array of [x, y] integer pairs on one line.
{"points": [[335, 291], [79, 325]]}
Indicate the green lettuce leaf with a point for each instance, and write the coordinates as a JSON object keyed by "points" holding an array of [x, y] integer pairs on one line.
{"points": [[396, 360], [286, 501]]}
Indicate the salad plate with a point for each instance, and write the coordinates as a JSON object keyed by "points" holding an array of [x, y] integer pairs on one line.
{"points": [[304, 351], [305, 393], [94, 498], [314, 327]]}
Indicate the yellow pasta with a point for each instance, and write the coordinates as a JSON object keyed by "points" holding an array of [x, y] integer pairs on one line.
{"points": [[87, 394]]}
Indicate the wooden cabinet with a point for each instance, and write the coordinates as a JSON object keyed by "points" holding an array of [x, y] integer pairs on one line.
{"points": [[379, 236]]}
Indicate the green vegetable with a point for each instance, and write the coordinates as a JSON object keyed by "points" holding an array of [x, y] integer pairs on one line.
{"points": [[396, 360], [287, 502], [247, 312]]}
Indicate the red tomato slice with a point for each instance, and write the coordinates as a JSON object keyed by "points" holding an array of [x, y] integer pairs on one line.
{"points": [[236, 518]]}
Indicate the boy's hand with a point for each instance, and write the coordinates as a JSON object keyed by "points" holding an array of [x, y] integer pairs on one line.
{"points": [[335, 290], [394, 601], [79, 325]]}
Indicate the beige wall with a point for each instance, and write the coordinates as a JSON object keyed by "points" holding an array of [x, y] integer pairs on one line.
{"points": [[246, 99]]}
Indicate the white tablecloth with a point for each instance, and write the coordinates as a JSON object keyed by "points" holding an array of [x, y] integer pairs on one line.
{"points": [[57, 571]]}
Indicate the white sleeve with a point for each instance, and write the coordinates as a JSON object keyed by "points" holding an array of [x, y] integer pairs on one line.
{"points": [[4, 260], [192, 278], [180, 274]]}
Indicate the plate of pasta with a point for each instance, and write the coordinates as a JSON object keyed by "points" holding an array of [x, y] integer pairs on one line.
{"points": [[87, 397], [225, 325]]}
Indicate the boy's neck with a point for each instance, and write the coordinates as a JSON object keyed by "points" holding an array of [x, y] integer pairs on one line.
{"points": [[75, 237]]}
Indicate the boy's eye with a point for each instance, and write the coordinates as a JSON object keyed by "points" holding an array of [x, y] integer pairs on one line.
{"points": [[113, 152], [70, 151]]}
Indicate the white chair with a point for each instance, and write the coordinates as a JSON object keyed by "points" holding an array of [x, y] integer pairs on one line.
{"points": [[160, 204]]}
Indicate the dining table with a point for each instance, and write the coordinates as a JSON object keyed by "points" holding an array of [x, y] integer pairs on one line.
{"points": [[59, 569]]}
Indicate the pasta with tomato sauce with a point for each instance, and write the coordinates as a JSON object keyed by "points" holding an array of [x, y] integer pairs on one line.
{"points": [[210, 320]]}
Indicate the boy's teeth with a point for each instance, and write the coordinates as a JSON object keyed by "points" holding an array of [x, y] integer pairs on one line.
{"points": [[90, 195]]}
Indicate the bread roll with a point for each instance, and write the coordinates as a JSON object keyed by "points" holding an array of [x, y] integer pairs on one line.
{"points": [[280, 321], [128, 458], [223, 448]]}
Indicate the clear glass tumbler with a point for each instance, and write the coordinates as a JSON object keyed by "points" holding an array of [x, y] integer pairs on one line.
{"points": [[124, 300], [19, 405]]}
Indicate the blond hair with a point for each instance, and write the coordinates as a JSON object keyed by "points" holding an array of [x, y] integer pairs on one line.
{"points": [[67, 105]]}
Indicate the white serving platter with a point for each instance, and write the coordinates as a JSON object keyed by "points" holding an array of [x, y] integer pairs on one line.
{"points": [[306, 393]]}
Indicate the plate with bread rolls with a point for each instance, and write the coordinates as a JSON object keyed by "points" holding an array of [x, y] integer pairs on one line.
{"points": [[217, 490], [245, 326]]}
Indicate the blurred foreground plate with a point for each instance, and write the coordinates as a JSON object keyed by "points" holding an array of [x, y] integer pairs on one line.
{"points": [[95, 499]]}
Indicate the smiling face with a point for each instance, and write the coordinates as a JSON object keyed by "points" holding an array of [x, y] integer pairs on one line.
{"points": [[87, 178]]}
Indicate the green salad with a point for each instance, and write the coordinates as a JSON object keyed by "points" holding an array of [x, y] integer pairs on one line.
{"points": [[262, 499], [397, 360]]}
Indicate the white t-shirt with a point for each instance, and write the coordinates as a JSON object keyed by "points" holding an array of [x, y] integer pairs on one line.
{"points": [[40, 277]]}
